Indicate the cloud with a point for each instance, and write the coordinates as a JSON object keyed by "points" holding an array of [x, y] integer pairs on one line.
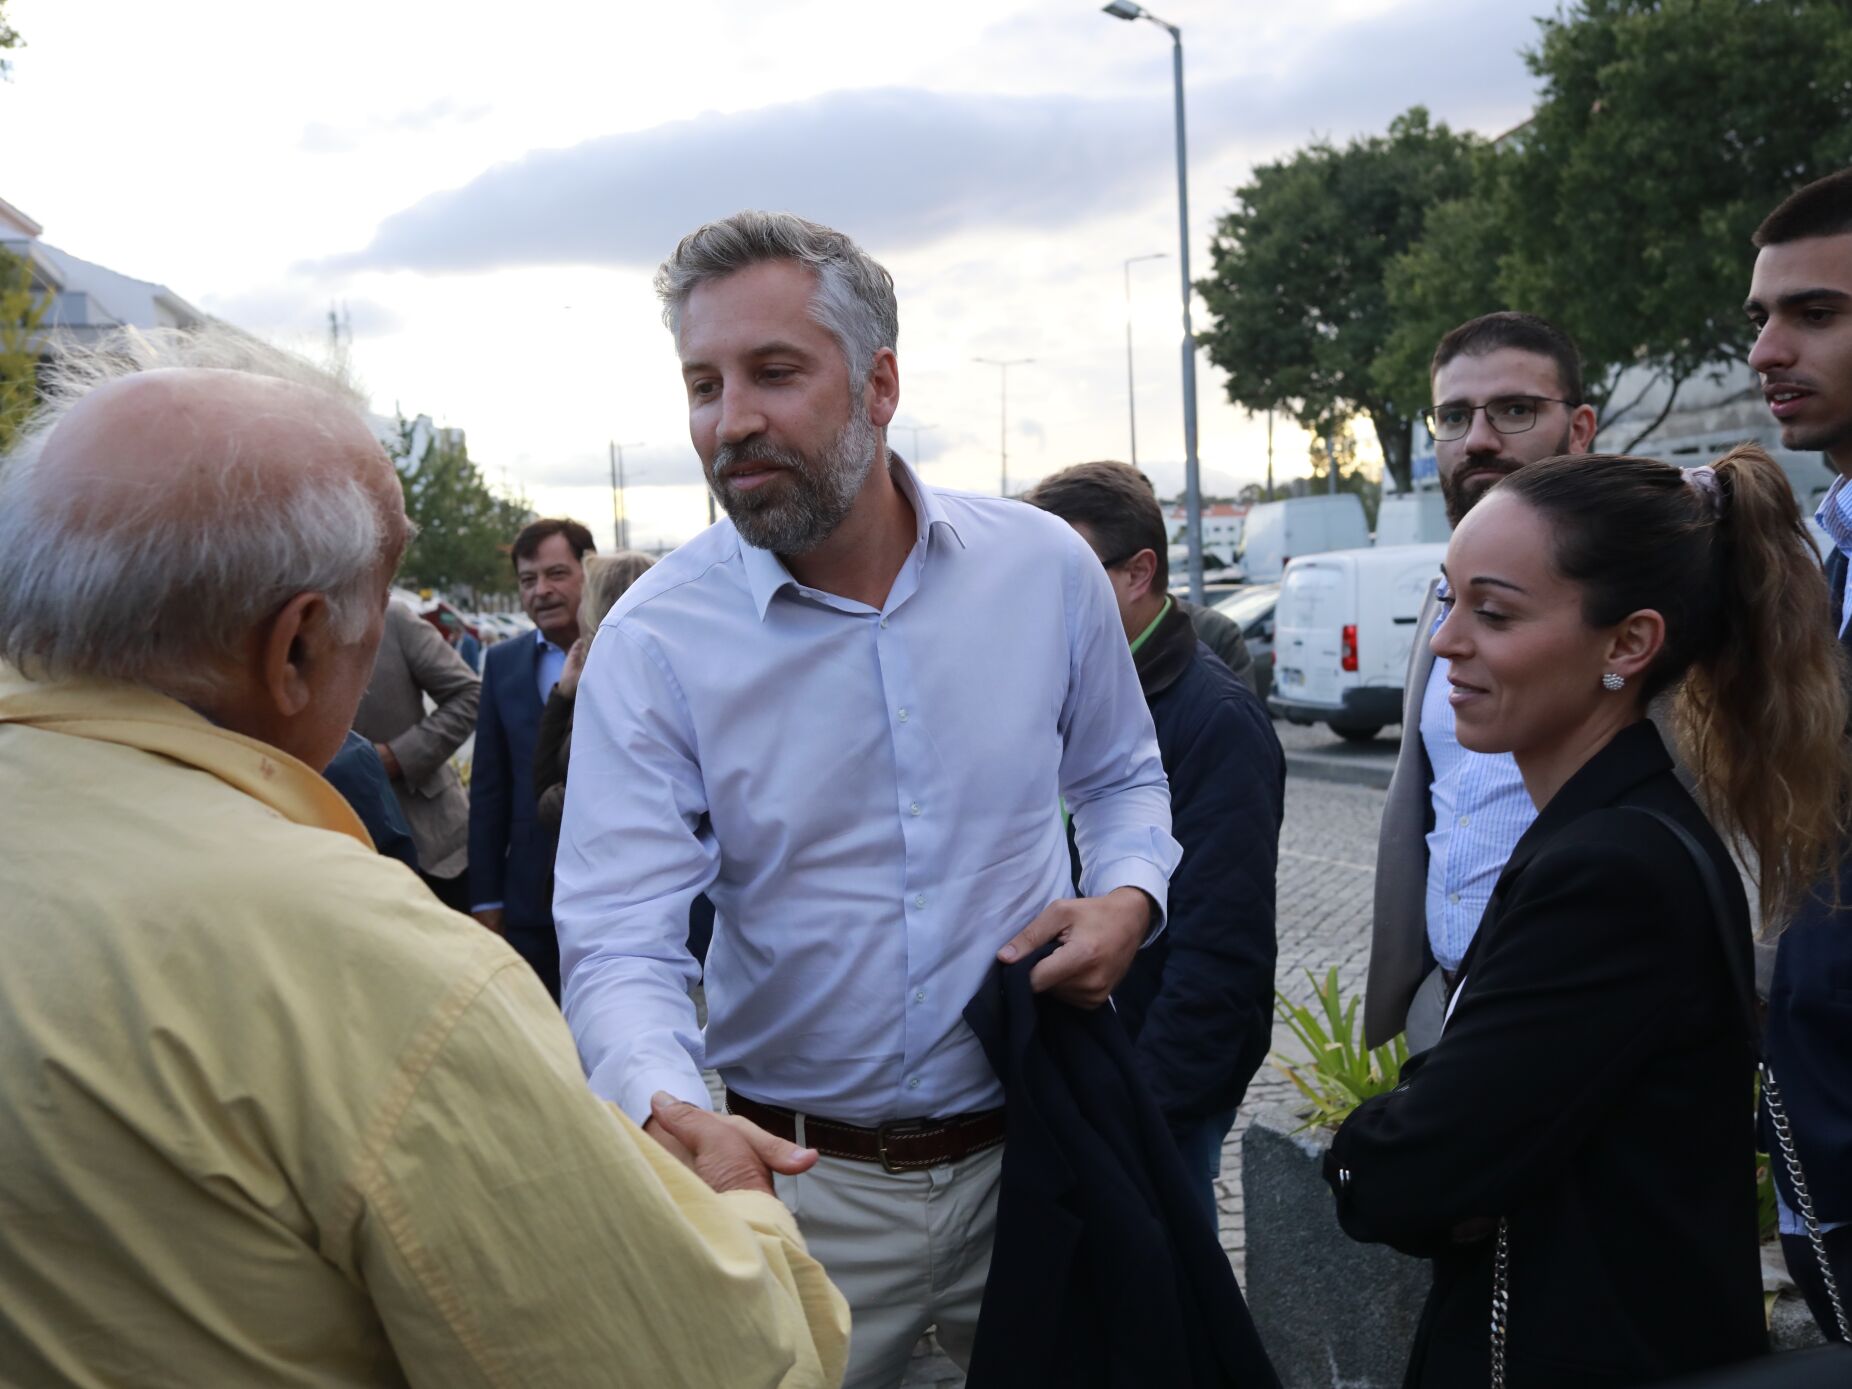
{"points": [[320, 137]]}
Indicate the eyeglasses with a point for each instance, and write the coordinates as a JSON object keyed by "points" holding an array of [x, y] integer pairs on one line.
{"points": [[1509, 414]]}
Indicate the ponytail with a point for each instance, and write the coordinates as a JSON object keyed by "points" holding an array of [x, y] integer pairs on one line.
{"points": [[1761, 715], [1759, 694]]}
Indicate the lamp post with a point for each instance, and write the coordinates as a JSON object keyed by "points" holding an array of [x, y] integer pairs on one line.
{"points": [[1131, 390], [1192, 480], [916, 430], [1003, 432], [620, 515]]}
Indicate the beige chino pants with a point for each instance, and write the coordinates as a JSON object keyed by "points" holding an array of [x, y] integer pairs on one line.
{"points": [[908, 1250]]}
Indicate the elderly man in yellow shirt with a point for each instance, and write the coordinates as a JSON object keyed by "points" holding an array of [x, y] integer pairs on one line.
{"points": [[269, 1113]]}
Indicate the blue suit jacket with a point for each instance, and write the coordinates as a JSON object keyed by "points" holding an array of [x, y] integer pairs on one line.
{"points": [[510, 853], [1808, 1041]]}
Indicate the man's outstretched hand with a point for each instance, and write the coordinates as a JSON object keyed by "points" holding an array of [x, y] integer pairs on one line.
{"points": [[725, 1151], [1098, 937]]}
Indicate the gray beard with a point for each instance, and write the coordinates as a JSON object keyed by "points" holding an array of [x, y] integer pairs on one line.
{"points": [[799, 515]]}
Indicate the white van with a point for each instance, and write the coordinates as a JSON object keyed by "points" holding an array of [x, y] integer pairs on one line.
{"points": [[1276, 532], [1342, 632], [1412, 518]]}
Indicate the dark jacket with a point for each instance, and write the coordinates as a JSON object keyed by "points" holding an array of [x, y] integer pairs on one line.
{"points": [[1808, 1042], [1103, 1272], [552, 751], [360, 777], [510, 851], [1592, 1087], [1199, 999], [1222, 635]]}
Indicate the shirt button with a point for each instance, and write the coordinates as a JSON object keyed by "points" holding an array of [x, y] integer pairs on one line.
{"points": [[1465, 820], [1454, 898], [920, 997], [921, 901], [914, 1084], [914, 809], [884, 624], [903, 715]]}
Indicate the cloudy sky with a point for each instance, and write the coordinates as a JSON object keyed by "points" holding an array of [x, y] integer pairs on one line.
{"points": [[486, 189]]}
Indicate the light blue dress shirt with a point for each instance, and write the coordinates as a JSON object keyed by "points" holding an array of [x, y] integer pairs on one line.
{"points": [[1834, 516], [865, 796], [547, 669], [1481, 810]]}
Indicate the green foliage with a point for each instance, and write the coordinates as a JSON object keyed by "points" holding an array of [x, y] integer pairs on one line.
{"points": [[1298, 310], [1351, 476], [9, 38], [464, 529], [1342, 1073], [21, 309], [1665, 130]]}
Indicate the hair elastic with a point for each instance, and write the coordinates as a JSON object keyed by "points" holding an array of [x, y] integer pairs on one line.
{"points": [[1706, 481]]}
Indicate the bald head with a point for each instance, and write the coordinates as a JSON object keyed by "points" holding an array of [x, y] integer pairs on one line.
{"points": [[182, 442], [176, 493]]}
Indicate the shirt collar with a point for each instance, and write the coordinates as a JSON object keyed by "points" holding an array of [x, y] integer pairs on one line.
{"points": [[1835, 516], [766, 574], [139, 718]]}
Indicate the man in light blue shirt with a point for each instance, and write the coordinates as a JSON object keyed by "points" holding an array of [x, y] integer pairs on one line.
{"points": [[846, 713], [1507, 392]]}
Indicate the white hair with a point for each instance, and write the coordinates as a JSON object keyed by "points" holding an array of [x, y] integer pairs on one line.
{"points": [[854, 298], [164, 596]]}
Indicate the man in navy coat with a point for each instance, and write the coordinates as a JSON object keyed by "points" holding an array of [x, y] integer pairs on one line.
{"points": [[510, 853], [1198, 1000], [1800, 305]]}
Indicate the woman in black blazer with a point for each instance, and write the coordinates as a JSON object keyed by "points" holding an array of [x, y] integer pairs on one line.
{"points": [[1591, 1091]]}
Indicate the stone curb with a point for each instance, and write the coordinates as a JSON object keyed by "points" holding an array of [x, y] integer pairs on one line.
{"points": [[1353, 771]]}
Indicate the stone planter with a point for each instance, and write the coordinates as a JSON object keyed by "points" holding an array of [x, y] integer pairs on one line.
{"points": [[1333, 1314]]}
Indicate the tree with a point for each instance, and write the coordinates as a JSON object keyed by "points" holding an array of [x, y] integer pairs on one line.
{"points": [[1298, 311], [1352, 477], [21, 309], [9, 38], [463, 528], [1664, 132]]}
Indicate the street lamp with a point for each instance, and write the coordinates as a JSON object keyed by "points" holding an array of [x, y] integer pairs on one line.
{"points": [[620, 514], [1192, 481], [1131, 391], [916, 430], [1003, 434]]}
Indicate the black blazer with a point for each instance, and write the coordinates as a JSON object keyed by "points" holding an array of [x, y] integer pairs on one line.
{"points": [[1103, 1272], [1593, 1086]]}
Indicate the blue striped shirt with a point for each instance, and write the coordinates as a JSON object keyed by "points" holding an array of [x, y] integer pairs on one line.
{"points": [[1481, 810]]}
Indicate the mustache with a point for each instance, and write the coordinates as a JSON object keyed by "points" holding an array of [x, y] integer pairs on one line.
{"points": [[731, 458]]}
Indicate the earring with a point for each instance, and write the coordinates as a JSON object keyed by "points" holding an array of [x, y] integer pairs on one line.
{"points": [[1613, 683]]}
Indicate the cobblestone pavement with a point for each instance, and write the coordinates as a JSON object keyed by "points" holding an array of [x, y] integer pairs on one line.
{"points": [[1327, 862]]}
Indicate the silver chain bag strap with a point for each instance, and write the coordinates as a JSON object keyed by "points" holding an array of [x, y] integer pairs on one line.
{"points": [[1501, 1300], [1784, 1137]]}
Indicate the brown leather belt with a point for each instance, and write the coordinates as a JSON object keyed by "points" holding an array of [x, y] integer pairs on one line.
{"points": [[906, 1145]]}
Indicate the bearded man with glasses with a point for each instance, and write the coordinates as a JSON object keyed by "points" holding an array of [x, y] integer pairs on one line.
{"points": [[1507, 393]]}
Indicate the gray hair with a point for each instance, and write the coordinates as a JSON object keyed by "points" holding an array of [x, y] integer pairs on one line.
{"points": [[854, 299], [160, 596]]}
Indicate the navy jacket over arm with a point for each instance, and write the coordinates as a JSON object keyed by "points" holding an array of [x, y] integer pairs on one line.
{"points": [[1104, 1272], [510, 852], [1199, 999]]}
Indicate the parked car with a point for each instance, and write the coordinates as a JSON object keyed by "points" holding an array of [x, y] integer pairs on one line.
{"points": [[1251, 607], [1279, 532], [1342, 632]]}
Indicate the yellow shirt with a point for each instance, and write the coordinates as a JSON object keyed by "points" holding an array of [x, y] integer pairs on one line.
{"points": [[270, 1115]]}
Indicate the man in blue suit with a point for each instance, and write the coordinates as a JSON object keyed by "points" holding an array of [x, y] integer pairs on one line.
{"points": [[1799, 297], [510, 853]]}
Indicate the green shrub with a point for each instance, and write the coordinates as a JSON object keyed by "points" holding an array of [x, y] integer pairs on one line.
{"points": [[1342, 1073]]}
